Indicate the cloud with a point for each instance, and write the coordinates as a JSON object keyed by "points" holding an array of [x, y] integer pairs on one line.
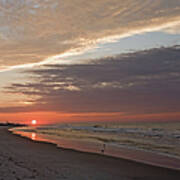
{"points": [[173, 30], [34, 30], [141, 82]]}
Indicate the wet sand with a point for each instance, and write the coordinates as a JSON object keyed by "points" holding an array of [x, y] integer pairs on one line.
{"points": [[23, 159]]}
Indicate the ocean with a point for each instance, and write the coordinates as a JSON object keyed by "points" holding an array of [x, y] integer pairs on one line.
{"points": [[112, 138]]}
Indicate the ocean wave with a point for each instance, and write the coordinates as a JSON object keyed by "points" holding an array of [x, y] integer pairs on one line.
{"points": [[160, 138]]}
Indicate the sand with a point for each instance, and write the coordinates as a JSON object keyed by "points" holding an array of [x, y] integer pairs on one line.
{"points": [[23, 159]]}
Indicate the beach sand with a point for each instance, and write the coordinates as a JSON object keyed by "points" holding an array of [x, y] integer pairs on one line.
{"points": [[23, 159]]}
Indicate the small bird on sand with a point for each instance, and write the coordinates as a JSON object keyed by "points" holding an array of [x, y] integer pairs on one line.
{"points": [[103, 150]]}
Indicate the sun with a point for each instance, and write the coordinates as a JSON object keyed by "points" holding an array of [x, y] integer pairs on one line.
{"points": [[33, 122]]}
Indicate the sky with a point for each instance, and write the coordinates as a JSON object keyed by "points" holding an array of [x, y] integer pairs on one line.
{"points": [[79, 60]]}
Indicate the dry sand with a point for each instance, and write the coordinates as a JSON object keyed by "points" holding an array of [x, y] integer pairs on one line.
{"points": [[23, 159]]}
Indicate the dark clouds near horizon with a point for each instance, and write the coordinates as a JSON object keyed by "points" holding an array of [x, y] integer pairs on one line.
{"points": [[140, 82]]}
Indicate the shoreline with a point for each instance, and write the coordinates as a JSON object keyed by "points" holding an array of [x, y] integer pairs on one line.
{"points": [[22, 158], [123, 152]]}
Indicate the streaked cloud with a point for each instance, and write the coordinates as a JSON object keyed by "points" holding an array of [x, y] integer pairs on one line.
{"points": [[32, 31]]}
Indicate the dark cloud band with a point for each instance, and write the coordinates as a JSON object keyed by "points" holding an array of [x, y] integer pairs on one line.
{"points": [[142, 82]]}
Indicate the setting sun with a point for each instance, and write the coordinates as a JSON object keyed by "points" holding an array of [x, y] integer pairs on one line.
{"points": [[33, 122]]}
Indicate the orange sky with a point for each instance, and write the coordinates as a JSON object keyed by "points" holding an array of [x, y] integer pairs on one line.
{"points": [[51, 117]]}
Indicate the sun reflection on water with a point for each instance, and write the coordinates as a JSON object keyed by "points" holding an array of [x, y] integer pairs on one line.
{"points": [[33, 136]]}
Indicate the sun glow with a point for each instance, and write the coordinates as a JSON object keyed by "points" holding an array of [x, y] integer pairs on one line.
{"points": [[33, 122]]}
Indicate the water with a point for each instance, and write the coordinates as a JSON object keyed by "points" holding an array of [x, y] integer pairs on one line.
{"points": [[155, 143]]}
